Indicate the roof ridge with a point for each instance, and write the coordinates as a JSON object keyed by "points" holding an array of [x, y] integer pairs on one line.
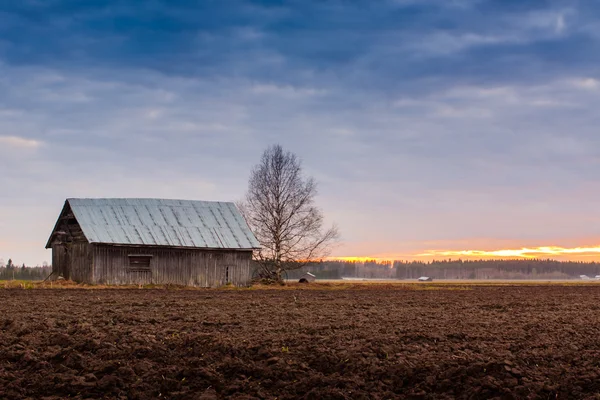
{"points": [[147, 198]]}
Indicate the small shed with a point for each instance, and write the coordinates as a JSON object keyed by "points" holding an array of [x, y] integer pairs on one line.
{"points": [[308, 277], [152, 241]]}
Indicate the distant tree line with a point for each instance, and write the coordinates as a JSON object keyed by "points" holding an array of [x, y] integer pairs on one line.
{"points": [[451, 269], [10, 271]]}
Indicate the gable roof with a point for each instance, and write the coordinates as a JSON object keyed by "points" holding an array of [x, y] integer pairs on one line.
{"points": [[161, 222]]}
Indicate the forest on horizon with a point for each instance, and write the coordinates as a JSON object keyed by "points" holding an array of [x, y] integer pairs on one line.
{"points": [[451, 269]]}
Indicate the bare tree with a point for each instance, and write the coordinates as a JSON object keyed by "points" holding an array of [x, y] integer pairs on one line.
{"points": [[279, 208]]}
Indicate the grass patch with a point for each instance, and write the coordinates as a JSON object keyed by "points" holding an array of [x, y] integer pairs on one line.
{"points": [[332, 285]]}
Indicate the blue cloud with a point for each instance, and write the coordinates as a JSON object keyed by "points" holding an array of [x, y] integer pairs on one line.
{"points": [[338, 38]]}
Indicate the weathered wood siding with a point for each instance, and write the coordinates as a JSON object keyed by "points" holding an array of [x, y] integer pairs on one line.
{"points": [[59, 259], [72, 257], [73, 261], [81, 262], [190, 267]]}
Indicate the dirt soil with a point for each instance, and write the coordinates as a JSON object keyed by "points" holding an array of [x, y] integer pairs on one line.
{"points": [[379, 343]]}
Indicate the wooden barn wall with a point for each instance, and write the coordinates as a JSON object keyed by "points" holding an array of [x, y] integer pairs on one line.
{"points": [[72, 256], [73, 261], [190, 267], [81, 262], [59, 259]]}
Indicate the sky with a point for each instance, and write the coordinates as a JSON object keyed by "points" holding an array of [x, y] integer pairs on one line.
{"points": [[444, 129]]}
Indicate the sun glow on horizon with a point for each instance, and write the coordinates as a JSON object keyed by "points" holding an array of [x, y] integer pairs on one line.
{"points": [[524, 253], [363, 259]]}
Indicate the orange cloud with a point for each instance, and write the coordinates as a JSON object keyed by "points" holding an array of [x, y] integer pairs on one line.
{"points": [[525, 252], [554, 252], [362, 259], [16, 141]]}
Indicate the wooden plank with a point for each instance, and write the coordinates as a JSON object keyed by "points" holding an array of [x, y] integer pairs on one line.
{"points": [[191, 267]]}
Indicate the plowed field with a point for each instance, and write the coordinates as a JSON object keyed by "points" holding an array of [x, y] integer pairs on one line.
{"points": [[379, 342]]}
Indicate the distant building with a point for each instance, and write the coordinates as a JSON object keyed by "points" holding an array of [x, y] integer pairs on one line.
{"points": [[308, 277], [152, 241]]}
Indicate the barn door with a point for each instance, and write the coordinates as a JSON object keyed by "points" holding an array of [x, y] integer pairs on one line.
{"points": [[139, 271]]}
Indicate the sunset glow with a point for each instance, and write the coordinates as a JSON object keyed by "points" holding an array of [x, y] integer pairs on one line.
{"points": [[554, 252], [525, 252], [363, 259]]}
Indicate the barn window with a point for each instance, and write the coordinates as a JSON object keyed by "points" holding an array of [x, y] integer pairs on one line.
{"points": [[139, 262]]}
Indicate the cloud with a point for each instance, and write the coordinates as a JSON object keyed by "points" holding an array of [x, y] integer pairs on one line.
{"points": [[422, 120], [560, 24], [549, 20], [525, 252], [286, 90], [444, 43], [544, 252], [587, 83], [19, 142]]}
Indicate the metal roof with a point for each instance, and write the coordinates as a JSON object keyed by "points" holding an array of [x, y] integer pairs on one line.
{"points": [[161, 222]]}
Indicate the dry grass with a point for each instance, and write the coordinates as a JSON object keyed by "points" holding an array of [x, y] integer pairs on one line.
{"points": [[320, 285], [62, 284]]}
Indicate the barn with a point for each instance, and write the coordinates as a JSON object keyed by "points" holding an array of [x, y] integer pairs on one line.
{"points": [[152, 241]]}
